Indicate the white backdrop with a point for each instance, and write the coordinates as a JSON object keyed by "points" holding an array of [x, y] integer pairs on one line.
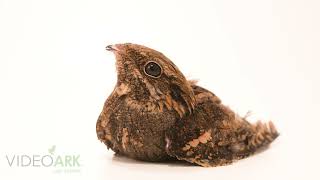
{"points": [[255, 55]]}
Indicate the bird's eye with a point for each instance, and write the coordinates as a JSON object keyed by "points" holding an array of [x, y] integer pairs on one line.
{"points": [[153, 69]]}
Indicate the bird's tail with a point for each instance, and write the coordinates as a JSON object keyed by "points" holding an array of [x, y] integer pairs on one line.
{"points": [[263, 135], [252, 137]]}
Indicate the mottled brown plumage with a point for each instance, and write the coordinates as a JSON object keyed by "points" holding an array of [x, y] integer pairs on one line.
{"points": [[155, 114]]}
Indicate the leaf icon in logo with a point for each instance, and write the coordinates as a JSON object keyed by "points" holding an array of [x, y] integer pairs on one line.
{"points": [[52, 149]]}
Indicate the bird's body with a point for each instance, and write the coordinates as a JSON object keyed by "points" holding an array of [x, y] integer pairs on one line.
{"points": [[133, 131], [155, 114]]}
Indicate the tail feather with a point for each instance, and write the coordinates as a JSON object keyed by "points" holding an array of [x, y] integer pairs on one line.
{"points": [[263, 135]]}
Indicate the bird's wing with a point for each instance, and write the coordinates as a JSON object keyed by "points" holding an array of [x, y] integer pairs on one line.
{"points": [[214, 135]]}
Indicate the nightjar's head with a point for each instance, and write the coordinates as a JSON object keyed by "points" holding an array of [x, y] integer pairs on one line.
{"points": [[148, 78]]}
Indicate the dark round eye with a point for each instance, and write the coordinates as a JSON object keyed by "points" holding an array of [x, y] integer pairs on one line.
{"points": [[153, 69]]}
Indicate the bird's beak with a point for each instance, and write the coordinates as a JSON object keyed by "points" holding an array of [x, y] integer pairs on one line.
{"points": [[111, 48], [114, 47]]}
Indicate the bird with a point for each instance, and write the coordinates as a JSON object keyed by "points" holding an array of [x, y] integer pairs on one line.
{"points": [[155, 114]]}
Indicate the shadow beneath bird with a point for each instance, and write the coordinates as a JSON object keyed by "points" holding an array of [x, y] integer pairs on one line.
{"points": [[120, 159]]}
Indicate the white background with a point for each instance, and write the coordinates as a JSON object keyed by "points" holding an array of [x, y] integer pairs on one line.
{"points": [[255, 55]]}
